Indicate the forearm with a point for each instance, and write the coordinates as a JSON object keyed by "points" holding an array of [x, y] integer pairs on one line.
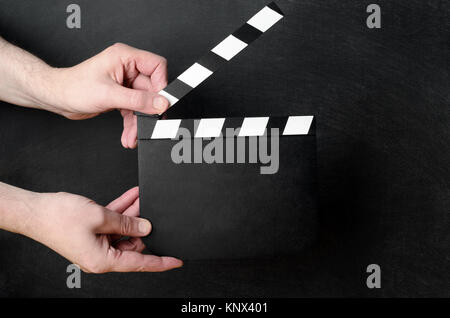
{"points": [[25, 79], [16, 209]]}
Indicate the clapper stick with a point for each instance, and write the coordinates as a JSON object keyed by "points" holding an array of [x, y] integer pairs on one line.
{"points": [[216, 127], [222, 53]]}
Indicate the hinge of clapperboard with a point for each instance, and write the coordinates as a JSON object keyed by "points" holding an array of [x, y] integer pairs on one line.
{"points": [[226, 50]]}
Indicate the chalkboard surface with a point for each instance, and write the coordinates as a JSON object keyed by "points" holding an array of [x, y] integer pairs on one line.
{"points": [[381, 97]]}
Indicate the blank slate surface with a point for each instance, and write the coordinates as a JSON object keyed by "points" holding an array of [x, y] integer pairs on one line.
{"points": [[381, 97]]}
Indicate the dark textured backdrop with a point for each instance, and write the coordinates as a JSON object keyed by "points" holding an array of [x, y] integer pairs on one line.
{"points": [[382, 103]]}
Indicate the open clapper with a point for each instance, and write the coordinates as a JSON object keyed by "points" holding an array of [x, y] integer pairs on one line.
{"points": [[240, 188]]}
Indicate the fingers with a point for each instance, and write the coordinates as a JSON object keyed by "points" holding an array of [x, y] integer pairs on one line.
{"points": [[152, 79], [129, 134], [126, 204], [159, 76], [137, 100], [131, 261], [124, 225], [147, 63], [143, 82], [125, 201], [133, 244], [132, 134], [133, 210]]}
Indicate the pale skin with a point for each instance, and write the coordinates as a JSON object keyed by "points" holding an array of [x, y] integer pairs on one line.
{"points": [[82, 231]]}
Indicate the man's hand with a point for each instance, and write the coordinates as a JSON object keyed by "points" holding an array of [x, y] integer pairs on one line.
{"points": [[120, 77], [82, 231]]}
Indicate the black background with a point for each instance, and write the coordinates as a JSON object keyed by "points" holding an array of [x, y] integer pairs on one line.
{"points": [[381, 97]]}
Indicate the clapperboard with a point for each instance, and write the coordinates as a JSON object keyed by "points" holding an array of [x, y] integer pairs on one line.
{"points": [[227, 187]]}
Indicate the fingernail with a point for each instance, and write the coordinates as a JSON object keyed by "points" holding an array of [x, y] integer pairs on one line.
{"points": [[144, 226], [160, 103]]}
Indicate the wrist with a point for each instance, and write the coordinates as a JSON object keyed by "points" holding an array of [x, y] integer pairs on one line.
{"points": [[30, 82], [18, 211], [50, 93]]}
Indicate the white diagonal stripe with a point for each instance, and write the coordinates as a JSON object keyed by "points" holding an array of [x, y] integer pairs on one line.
{"points": [[166, 129], [194, 75], [172, 99], [209, 128], [229, 47], [253, 126], [298, 125], [265, 19]]}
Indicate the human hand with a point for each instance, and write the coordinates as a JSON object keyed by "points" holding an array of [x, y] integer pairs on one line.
{"points": [[87, 234], [120, 77]]}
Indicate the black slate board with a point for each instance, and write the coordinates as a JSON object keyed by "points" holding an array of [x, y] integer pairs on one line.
{"points": [[234, 210]]}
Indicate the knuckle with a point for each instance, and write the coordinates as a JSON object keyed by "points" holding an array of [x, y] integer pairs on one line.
{"points": [[72, 197], [115, 49], [62, 194], [125, 225], [162, 61], [117, 46], [137, 99]]}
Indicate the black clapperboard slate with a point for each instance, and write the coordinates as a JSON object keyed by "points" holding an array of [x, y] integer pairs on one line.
{"points": [[203, 210]]}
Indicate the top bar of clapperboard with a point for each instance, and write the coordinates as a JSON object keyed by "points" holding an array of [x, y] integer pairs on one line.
{"points": [[222, 53], [217, 127]]}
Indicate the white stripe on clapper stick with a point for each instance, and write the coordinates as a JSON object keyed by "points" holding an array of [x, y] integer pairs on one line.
{"points": [[265, 19], [194, 75], [253, 126], [209, 128], [229, 47], [166, 129], [298, 125]]}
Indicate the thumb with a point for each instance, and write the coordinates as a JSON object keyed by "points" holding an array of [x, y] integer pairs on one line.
{"points": [[124, 225], [137, 100]]}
